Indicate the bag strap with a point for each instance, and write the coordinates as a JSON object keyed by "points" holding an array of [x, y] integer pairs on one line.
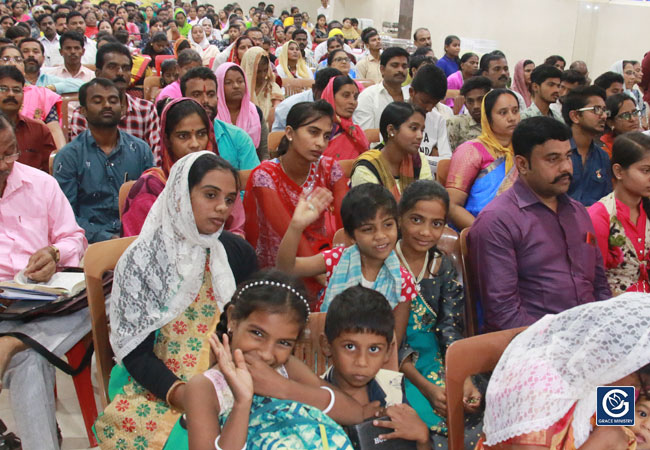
{"points": [[51, 357]]}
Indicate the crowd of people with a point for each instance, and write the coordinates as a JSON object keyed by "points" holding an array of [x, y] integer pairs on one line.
{"points": [[241, 238]]}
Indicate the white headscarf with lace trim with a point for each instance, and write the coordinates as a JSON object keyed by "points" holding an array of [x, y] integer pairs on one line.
{"points": [[161, 273], [560, 360]]}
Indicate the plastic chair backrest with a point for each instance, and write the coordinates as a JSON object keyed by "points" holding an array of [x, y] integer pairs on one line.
{"points": [[100, 258], [66, 113], [295, 85], [159, 60], [151, 87], [372, 134], [484, 352], [471, 289], [123, 194]]}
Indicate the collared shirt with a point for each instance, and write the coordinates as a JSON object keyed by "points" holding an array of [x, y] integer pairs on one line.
{"points": [[91, 180], [62, 85], [531, 261], [34, 213], [52, 51], [368, 69], [35, 143], [533, 111], [141, 121], [592, 181], [327, 12], [90, 52], [283, 108], [461, 129], [235, 146], [84, 74], [372, 102]]}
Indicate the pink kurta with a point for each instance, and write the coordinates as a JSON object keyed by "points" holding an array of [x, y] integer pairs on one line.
{"points": [[34, 213]]}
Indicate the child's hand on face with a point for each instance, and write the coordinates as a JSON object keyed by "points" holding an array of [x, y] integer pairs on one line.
{"points": [[267, 382], [233, 367], [438, 399], [310, 207], [471, 396], [405, 423]]}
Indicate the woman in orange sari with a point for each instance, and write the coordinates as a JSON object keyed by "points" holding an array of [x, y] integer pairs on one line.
{"points": [[542, 394]]}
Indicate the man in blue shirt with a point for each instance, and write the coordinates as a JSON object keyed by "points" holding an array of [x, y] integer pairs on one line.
{"points": [[585, 111], [91, 168]]}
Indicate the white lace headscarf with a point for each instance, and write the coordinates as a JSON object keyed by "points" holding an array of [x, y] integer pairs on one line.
{"points": [[560, 360], [161, 273]]}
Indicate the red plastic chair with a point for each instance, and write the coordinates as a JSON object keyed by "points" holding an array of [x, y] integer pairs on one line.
{"points": [[160, 59], [84, 387]]}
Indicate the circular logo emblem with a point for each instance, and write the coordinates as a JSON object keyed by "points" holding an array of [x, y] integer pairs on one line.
{"points": [[615, 403]]}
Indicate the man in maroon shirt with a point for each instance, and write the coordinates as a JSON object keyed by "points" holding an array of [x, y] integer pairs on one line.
{"points": [[533, 248], [35, 141]]}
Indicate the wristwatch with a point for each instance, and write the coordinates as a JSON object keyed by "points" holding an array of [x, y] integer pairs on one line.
{"points": [[55, 253]]}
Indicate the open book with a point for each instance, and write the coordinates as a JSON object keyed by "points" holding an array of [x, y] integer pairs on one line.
{"points": [[67, 284]]}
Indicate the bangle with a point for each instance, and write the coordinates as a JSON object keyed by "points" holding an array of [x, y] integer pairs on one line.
{"points": [[332, 399], [171, 390], [216, 444]]}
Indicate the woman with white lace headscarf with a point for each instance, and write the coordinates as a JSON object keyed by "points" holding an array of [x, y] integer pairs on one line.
{"points": [[201, 44], [543, 390], [169, 290]]}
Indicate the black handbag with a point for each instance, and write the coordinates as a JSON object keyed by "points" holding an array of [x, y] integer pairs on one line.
{"points": [[365, 436]]}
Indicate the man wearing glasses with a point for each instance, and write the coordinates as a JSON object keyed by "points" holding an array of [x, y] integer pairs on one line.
{"points": [[38, 232], [35, 140], [585, 112]]}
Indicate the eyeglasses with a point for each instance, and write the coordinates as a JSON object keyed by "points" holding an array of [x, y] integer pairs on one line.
{"points": [[16, 59], [14, 90], [598, 110], [341, 60], [10, 158], [629, 115]]}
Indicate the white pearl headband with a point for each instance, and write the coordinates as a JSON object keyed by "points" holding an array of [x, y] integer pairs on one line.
{"points": [[276, 284]]}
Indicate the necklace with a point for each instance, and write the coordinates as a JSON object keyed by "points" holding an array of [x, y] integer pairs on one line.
{"points": [[400, 255]]}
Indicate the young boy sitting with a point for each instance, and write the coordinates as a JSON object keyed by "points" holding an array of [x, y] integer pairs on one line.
{"points": [[358, 340], [369, 216]]}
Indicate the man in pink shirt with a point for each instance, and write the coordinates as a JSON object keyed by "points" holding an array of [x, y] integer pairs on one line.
{"points": [[187, 59], [38, 232]]}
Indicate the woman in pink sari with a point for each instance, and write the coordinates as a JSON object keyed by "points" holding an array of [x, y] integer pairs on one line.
{"points": [[521, 81], [468, 69], [185, 128]]}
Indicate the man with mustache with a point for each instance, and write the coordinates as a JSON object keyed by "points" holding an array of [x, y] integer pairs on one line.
{"points": [[38, 232], [394, 66], [534, 247], [545, 84], [72, 51], [585, 111], [140, 119], [34, 138], [32, 50], [91, 168], [494, 66], [50, 40]]}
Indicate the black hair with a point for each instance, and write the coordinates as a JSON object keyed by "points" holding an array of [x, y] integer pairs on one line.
{"points": [[202, 73], [368, 33], [31, 39], [432, 81], [448, 40], [466, 57], [422, 190], [17, 31], [153, 21], [578, 98], [332, 54], [486, 59], [543, 72], [354, 21], [479, 82], [73, 14], [111, 48], [40, 18], [4, 40], [341, 81], [184, 45], [160, 104], [55, 17], [393, 52], [553, 59], [206, 163], [362, 203], [7, 47], [251, 29], [159, 37], [180, 111], [359, 310], [103, 82], [628, 149], [416, 61], [332, 39], [491, 98], [396, 114], [323, 77], [13, 73], [121, 36], [188, 56], [527, 62], [605, 80], [614, 103], [255, 294], [105, 36], [536, 131], [73, 36], [415, 33], [573, 76], [303, 114], [7, 17]]}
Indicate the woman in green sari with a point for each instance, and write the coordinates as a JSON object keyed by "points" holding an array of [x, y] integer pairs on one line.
{"points": [[170, 288], [436, 318]]}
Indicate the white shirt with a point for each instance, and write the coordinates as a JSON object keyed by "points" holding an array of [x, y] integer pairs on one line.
{"points": [[222, 57], [283, 108], [52, 51], [372, 102], [321, 50], [327, 12], [90, 52], [435, 136]]}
